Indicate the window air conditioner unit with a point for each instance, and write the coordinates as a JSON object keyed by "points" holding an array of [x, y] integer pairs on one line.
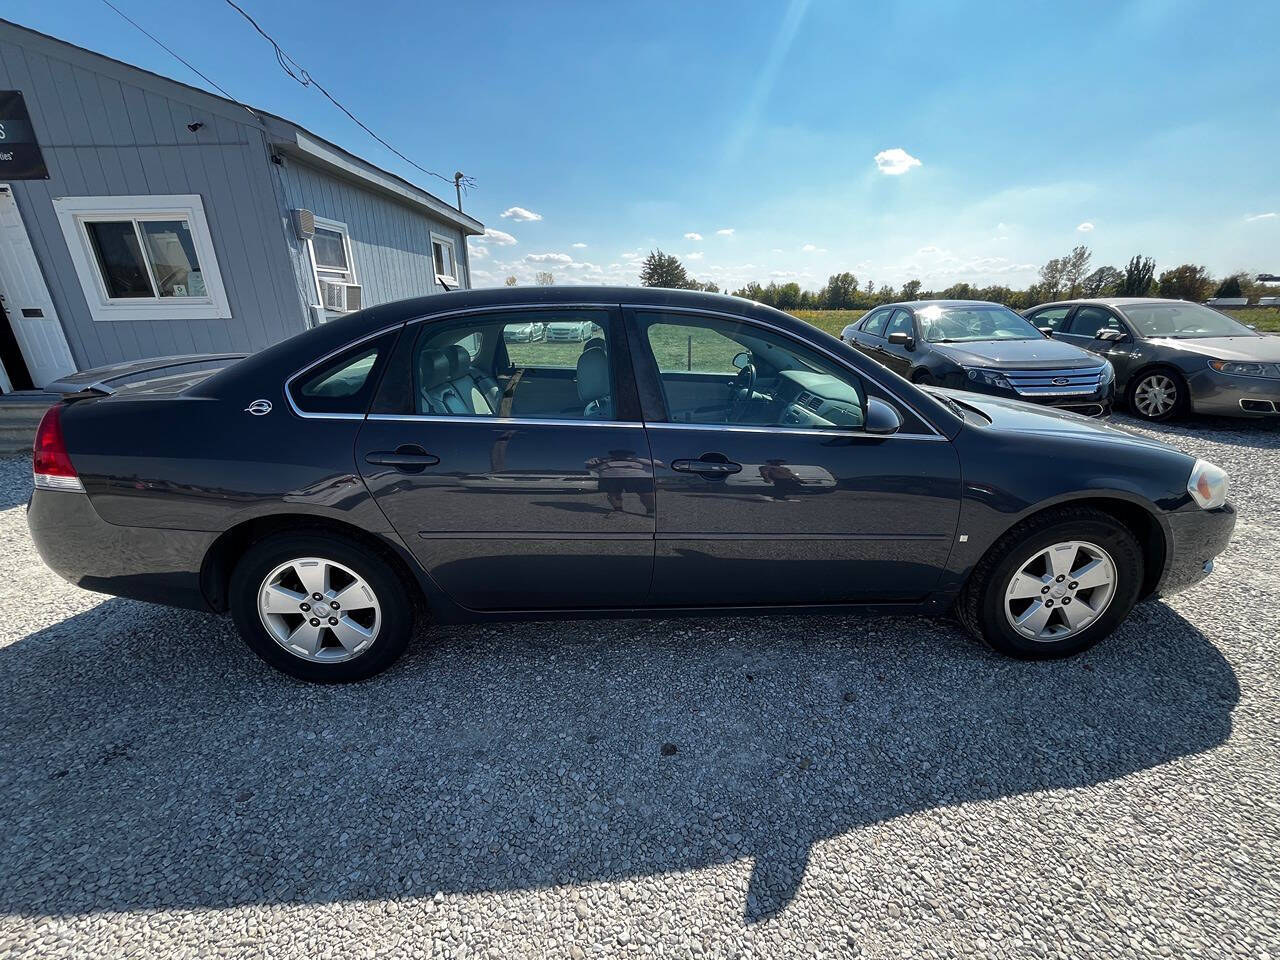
{"points": [[304, 223], [340, 297]]}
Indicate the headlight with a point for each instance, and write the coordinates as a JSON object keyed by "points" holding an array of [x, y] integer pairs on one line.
{"points": [[1108, 373], [1238, 369], [992, 378], [1207, 485]]}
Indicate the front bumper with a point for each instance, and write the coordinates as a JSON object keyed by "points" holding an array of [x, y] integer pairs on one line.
{"points": [[1218, 394], [142, 563], [1197, 536]]}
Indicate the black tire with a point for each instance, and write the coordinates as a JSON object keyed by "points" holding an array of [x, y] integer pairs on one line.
{"points": [[1182, 398], [393, 595], [981, 605]]}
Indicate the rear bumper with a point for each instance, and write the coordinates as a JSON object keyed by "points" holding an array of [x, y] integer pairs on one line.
{"points": [[142, 563], [1197, 537]]}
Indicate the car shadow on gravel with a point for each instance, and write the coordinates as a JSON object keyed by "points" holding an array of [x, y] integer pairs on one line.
{"points": [[149, 762], [15, 482]]}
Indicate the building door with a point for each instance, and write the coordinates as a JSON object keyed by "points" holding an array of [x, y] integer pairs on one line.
{"points": [[30, 310]]}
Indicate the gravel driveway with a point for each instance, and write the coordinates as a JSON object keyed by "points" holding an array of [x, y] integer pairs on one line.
{"points": [[789, 786]]}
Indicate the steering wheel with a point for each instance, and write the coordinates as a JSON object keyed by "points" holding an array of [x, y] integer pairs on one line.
{"points": [[743, 385]]}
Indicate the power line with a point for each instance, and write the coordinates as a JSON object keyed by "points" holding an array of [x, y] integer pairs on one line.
{"points": [[184, 62], [299, 73]]}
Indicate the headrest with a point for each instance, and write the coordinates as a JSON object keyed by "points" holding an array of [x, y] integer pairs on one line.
{"points": [[593, 375], [595, 343], [433, 369], [459, 361]]}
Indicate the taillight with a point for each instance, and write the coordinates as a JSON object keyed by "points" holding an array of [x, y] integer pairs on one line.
{"points": [[49, 460]]}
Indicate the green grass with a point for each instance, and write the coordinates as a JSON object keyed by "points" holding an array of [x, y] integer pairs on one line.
{"points": [[1264, 318]]}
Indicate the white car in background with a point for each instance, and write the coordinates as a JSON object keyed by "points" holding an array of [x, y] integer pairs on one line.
{"points": [[566, 330]]}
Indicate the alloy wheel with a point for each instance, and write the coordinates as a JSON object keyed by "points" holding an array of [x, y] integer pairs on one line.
{"points": [[1156, 395], [319, 610], [1060, 590]]}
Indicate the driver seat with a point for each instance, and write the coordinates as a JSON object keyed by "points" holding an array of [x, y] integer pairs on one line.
{"points": [[593, 384]]}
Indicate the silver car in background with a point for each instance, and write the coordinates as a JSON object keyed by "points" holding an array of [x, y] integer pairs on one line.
{"points": [[1173, 357]]}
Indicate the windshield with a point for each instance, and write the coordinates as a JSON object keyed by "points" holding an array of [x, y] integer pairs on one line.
{"points": [[943, 324], [1183, 321]]}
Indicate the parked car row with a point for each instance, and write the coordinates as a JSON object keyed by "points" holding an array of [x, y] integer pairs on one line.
{"points": [[1164, 357], [700, 455]]}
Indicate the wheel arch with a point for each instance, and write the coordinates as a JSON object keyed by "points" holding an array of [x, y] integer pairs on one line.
{"points": [[221, 557]]}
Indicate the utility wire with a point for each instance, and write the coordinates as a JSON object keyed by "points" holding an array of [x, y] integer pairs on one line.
{"points": [[299, 73], [184, 62]]}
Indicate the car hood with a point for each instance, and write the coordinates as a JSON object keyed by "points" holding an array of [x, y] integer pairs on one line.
{"points": [[1263, 349], [1017, 354], [1018, 416]]}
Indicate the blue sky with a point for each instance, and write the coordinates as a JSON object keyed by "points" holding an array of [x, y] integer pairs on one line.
{"points": [[744, 138]]}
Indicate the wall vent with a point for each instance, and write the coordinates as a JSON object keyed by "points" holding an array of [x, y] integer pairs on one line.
{"points": [[304, 223]]}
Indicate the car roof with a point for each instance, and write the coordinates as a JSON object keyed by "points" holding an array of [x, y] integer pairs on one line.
{"points": [[1107, 301], [918, 304]]}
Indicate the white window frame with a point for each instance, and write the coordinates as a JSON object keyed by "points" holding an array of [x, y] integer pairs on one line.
{"points": [[453, 258], [74, 212], [319, 273]]}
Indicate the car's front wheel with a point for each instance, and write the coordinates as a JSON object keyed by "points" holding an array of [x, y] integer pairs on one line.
{"points": [[1054, 585], [319, 607], [1157, 395]]}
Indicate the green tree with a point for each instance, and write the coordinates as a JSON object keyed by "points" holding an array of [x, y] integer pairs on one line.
{"points": [[1187, 282], [1103, 282], [910, 290], [788, 296], [841, 291], [663, 270], [1051, 279], [752, 291], [1229, 287], [1139, 275], [1074, 266]]}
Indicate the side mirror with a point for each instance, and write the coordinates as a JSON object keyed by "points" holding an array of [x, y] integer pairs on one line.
{"points": [[741, 360], [1047, 331], [882, 419], [901, 339], [1110, 336]]}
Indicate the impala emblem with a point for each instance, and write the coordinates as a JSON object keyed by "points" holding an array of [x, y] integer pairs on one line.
{"points": [[1057, 382], [259, 408]]}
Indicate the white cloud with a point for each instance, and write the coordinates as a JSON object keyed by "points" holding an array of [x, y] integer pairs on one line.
{"points": [[693, 255], [579, 245], [1261, 216], [693, 236], [998, 239], [520, 213], [895, 161], [927, 251], [725, 232], [630, 256], [500, 237], [808, 248], [478, 250], [549, 258], [1085, 227], [777, 250]]}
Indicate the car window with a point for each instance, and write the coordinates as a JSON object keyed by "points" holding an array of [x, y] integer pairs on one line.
{"points": [[1051, 317], [536, 365], [1183, 321], [344, 384], [1089, 320], [969, 322], [719, 371], [901, 323], [874, 324]]}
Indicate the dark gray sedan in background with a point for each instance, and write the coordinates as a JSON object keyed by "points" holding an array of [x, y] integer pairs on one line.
{"points": [[984, 348], [1171, 356]]}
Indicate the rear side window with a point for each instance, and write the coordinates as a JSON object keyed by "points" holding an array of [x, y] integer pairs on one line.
{"points": [[1052, 317], [1089, 320], [345, 383]]}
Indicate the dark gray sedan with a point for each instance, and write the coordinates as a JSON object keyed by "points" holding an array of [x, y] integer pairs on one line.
{"points": [[1173, 357]]}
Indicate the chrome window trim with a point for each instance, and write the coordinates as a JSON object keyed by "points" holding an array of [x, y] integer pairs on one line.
{"points": [[288, 393], [593, 305], [505, 421], [802, 431]]}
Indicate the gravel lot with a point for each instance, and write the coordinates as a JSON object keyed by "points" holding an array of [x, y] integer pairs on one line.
{"points": [[849, 788]]}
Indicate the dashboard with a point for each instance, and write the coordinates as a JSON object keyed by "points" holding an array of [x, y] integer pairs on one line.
{"points": [[810, 399]]}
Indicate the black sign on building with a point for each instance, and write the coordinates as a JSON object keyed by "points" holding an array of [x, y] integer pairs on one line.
{"points": [[20, 157]]}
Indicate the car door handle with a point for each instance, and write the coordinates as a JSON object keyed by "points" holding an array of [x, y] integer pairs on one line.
{"points": [[410, 458], [707, 468]]}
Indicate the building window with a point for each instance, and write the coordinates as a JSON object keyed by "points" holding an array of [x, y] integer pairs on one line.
{"points": [[334, 269], [446, 263], [143, 258]]}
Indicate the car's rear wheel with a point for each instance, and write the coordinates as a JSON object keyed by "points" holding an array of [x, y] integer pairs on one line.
{"points": [[1054, 585], [1157, 395], [319, 607]]}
